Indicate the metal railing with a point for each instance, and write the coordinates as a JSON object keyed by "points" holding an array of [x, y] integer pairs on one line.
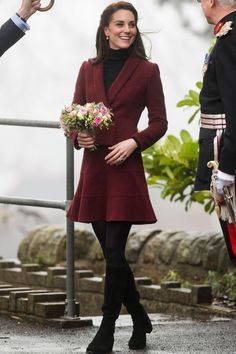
{"points": [[70, 309]]}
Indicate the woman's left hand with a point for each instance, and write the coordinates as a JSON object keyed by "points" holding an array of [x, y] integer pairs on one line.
{"points": [[120, 152]]}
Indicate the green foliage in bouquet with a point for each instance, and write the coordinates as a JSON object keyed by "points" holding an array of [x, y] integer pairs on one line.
{"points": [[171, 165]]}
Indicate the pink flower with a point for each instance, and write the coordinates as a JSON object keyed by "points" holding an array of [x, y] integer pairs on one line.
{"points": [[83, 110], [97, 120], [103, 110]]}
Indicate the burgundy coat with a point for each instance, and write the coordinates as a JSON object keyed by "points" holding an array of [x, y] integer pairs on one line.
{"points": [[137, 86], [119, 192]]}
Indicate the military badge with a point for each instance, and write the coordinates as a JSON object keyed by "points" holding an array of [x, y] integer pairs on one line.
{"points": [[207, 60], [221, 29]]}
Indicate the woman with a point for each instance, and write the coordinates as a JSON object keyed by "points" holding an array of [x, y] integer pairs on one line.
{"points": [[112, 192]]}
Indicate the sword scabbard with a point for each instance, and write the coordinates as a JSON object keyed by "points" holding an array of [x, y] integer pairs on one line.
{"points": [[229, 202]]}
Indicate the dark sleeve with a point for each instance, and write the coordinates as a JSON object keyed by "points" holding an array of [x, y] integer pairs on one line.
{"points": [[79, 98], [226, 77], [9, 35], [155, 103]]}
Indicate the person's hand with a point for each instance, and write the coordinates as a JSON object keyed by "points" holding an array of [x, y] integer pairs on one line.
{"points": [[220, 184], [85, 140], [120, 152], [28, 8], [223, 180]]}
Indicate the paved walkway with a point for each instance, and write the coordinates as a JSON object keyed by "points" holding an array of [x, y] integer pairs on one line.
{"points": [[170, 336]]}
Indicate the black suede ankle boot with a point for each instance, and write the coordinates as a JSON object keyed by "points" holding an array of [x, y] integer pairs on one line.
{"points": [[141, 321], [115, 284], [141, 326], [103, 341]]}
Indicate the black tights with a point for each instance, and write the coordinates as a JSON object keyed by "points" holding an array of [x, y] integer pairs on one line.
{"points": [[112, 237]]}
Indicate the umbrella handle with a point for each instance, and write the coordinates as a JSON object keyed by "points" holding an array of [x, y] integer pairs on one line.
{"points": [[46, 8]]}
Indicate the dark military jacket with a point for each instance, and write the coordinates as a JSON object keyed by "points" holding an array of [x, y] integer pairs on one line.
{"points": [[218, 105], [9, 35]]}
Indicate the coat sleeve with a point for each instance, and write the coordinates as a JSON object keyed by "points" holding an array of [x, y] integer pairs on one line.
{"points": [[9, 35], [155, 103], [226, 77], [79, 97]]}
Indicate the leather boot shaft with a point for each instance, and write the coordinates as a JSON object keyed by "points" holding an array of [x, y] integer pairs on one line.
{"points": [[114, 290]]}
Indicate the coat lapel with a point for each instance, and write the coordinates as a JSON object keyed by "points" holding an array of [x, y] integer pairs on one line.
{"points": [[125, 74], [99, 89]]}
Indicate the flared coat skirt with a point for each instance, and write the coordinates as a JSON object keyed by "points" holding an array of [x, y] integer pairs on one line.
{"points": [[111, 193]]}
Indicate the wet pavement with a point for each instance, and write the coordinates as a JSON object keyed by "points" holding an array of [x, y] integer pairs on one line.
{"points": [[169, 336]]}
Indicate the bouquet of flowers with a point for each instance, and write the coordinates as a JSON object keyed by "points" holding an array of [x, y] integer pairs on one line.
{"points": [[89, 118]]}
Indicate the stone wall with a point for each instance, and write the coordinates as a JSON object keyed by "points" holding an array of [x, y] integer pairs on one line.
{"points": [[26, 289], [150, 252]]}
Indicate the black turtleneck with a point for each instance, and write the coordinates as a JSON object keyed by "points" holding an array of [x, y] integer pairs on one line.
{"points": [[113, 65]]}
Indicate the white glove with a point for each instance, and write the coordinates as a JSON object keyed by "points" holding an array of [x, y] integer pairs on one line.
{"points": [[223, 180]]}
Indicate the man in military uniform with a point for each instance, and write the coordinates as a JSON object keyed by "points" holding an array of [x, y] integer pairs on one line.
{"points": [[15, 28], [217, 140]]}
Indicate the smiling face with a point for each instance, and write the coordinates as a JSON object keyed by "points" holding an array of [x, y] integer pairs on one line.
{"points": [[122, 30]]}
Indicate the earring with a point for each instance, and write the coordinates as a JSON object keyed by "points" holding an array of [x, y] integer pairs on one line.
{"points": [[107, 38]]}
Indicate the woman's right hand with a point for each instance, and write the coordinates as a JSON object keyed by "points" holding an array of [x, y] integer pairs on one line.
{"points": [[85, 140]]}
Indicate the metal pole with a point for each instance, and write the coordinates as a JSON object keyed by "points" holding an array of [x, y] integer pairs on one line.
{"points": [[29, 123], [70, 310], [54, 204]]}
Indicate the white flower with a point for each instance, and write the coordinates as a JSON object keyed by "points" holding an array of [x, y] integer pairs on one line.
{"points": [[225, 29]]}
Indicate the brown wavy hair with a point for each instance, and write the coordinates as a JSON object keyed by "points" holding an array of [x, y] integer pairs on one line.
{"points": [[102, 44]]}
